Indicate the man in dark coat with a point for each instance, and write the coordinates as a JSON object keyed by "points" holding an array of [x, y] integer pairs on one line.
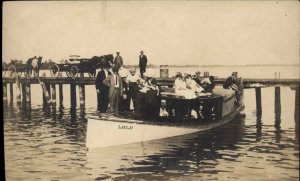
{"points": [[102, 89], [142, 63], [231, 82], [118, 62], [197, 78]]}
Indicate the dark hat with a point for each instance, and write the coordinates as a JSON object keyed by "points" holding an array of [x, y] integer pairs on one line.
{"points": [[178, 74]]}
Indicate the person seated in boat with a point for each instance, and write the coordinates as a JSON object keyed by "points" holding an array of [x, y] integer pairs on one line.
{"points": [[233, 84], [208, 84], [152, 101], [192, 84], [163, 109], [197, 77], [179, 83], [124, 105], [147, 100], [132, 81]]}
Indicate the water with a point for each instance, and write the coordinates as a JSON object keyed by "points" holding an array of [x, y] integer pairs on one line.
{"points": [[49, 144]]}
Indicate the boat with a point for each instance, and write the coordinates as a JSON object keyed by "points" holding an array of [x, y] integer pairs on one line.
{"points": [[110, 130]]}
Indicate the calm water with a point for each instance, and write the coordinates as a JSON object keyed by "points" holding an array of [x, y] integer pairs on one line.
{"points": [[49, 144]]}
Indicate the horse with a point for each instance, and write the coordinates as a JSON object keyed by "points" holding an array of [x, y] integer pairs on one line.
{"points": [[33, 65], [104, 61]]}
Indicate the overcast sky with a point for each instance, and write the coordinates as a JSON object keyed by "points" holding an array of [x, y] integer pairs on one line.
{"points": [[191, 32]]}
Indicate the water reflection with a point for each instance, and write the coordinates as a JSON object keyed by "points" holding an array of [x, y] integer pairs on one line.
{"points": [[48, 143]]}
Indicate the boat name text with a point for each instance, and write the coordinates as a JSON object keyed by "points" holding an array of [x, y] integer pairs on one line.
{"points": [[125, 127]]}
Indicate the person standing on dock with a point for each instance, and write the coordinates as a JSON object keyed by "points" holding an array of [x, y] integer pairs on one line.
{"points": [[102, 89], [142, 63], [118, 62], [114, 81]]}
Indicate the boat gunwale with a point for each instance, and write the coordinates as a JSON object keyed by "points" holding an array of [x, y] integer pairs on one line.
{"points": [[190, 124]]}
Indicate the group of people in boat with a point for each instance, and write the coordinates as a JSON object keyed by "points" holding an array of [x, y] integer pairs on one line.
{"points": [[112, 87], [196, 83], [139, 93]]}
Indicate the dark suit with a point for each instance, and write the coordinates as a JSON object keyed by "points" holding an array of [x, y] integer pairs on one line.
{"points": [[118, 62], [114, 92], [143, 64], [102, 96]]}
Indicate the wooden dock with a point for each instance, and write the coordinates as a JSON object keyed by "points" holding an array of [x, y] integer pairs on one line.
{"points": [[248, 83], [49, 85]]}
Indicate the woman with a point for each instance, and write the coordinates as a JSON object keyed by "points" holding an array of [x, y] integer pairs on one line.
{"points": [[179, 83], [152, 101]]}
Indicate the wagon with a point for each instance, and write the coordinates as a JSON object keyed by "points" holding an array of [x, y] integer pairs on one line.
{"points": [[77, 65], [16, 67]]}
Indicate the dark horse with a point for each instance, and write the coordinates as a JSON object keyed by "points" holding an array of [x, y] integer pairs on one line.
{"points": [[34, 65], [100, 62]]}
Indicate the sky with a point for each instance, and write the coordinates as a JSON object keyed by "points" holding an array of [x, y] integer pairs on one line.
{"points": [[172, 32]]}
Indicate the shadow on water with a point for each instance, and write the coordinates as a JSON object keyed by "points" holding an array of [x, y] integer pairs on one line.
{"points": [[160, 159]]}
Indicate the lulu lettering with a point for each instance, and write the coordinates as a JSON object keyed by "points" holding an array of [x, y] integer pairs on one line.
{"points": [[125, 127]]}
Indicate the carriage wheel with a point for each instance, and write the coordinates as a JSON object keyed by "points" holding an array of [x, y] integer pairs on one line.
{"points": [[54, 70], [73, 72], [12, 71]]}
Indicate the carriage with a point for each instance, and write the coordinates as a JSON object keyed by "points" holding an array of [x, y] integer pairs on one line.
{"points": [[77, 65], [29, 69]]}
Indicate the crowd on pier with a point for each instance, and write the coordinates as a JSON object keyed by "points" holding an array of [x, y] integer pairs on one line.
{"points": [[127, 90]]}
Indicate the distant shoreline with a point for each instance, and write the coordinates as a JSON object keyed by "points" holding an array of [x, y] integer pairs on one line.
{"points": [[253, 65]]}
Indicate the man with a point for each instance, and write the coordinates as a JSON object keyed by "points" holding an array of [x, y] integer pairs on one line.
{"points": [[231, 82], [132, 80], [114, 81], [142, 63], [102, 89], [208, 84], [118, 62], [197, 78]]}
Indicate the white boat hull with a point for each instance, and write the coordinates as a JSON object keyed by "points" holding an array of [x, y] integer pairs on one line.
{"points": [[115, 131]]}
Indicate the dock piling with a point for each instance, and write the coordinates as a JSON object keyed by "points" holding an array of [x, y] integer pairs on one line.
{"points": [[82, 95], [46, 96], [60, 94], [296, 114], [18, 89], [53, 94], [4, 92], [73, 94], [23, 92], [27, 93], [11, 90], [277, 103], [258, 101]]}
